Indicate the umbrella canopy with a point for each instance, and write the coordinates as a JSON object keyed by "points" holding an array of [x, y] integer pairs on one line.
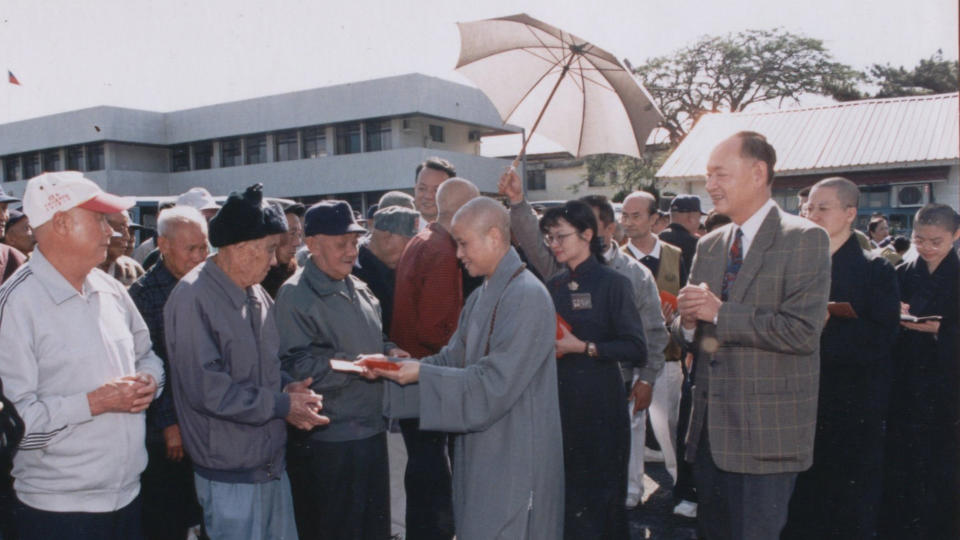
{"points": [[527, 68]]}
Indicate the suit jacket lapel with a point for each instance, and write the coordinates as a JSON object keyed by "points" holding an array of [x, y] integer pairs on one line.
{"points": [[751, 265]]}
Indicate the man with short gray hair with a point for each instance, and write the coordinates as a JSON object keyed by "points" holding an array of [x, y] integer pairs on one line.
{"points": [[169, 500], [396, 198]]}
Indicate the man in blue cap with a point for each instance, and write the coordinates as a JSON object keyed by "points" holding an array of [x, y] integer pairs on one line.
{"points": [[340, 472], [10, 259], [685, 216]]}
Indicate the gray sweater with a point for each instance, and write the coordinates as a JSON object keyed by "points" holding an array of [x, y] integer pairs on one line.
{"points": [[320, 318]]}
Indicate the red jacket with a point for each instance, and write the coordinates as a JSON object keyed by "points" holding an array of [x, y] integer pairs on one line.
{"points": [[429, 293]]}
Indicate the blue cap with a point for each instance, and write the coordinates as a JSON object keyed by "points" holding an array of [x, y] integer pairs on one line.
{"points": [[330, 218], [4, 198], [685, 203]]}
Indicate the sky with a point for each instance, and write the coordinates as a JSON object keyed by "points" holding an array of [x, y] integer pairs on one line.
{"points": [[166, 55]]}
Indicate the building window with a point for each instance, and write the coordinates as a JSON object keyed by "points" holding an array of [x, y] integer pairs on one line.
{"points": [[377, 136], [255, 148], [180, 158], [870, 200], [230, 152], [11, 168], [285, 146], [536, 179], [600, 180], [314, 142], [75, 158], [202, 155], [31, 165], [348, 138], [51, 160], [94, 157], [436, 133]]}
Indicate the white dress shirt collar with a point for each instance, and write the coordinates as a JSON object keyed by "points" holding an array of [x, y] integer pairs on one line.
{"points": [[639, 254], [752, 225]]}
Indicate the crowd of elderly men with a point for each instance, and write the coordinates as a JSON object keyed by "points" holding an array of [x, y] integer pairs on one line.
{"points": [[237, 376]]}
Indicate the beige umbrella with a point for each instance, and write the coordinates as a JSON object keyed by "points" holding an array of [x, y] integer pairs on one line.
{"points": [[526, 66]]}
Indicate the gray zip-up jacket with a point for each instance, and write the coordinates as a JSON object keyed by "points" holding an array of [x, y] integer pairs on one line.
{"points": [[226, 379], [320, 318]]}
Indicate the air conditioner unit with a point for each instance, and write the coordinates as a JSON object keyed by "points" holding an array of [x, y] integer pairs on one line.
{"points": [[910, 195]]}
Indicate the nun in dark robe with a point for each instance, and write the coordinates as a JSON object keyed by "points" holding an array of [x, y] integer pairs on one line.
{"points": [[839, 496], [921, 474]]}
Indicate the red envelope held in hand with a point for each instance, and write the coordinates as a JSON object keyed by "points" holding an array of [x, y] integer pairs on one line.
{"points": [[380, 364], [667, 298], [563, 327]]}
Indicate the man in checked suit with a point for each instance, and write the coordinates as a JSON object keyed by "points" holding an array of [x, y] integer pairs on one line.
{"points": [[754, 309]]}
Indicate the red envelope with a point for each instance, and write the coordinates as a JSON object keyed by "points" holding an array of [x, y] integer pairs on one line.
{"points": [[667, 298], [563, 327], [380, 364]]}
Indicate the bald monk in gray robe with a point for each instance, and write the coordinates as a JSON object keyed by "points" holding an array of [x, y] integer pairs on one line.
{"points": [[496, 383]]}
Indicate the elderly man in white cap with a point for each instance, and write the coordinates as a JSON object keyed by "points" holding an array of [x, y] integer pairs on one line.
{"points": [[77, 363]]}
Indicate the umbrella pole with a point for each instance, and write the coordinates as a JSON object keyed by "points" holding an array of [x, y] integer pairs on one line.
{"points": [[523, 149]]}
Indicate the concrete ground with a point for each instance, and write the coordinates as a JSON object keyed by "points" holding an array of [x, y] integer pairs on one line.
{"points": [[653, 519]]}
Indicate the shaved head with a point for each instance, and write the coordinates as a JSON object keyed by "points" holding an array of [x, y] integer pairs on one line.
{"points": [[453, 194], [482, 214], [481, 229], [847, 192]]}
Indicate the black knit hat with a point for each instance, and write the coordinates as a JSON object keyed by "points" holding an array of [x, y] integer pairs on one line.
{"points": [[246, 217]]}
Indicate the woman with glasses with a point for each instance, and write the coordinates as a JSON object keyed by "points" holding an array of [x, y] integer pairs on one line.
{"points": [[598, 305], [921, 431]]}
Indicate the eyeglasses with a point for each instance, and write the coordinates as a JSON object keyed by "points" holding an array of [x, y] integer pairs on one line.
{"points": [[558, 238]]}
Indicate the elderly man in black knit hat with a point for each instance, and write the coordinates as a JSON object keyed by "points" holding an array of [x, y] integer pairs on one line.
{"points": [[232, 398]]}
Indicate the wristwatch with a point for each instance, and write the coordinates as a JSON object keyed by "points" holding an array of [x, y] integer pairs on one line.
{"points": [[591, 349]]}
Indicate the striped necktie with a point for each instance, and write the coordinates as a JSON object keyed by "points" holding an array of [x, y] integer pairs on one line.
{"points": [[734, 262]]}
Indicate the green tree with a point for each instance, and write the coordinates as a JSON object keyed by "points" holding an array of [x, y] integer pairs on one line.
{"points": [[934, 75], [625, 173], [735, 71], [725, 73]]}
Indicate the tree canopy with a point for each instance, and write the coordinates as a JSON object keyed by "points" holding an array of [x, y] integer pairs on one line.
{"points": [[735, 71], [934, 75], [739, 70]]}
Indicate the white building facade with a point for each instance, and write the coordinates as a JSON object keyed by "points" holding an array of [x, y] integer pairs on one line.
{"points": [[352, 141]]}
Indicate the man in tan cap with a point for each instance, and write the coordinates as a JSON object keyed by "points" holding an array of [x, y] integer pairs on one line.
{"points": [[74, 349]]}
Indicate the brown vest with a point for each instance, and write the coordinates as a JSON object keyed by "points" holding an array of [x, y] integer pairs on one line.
{"points": [[668, 274]]}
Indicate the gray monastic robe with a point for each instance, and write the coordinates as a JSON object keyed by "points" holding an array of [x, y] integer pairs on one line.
{"points": [[508, 465]]}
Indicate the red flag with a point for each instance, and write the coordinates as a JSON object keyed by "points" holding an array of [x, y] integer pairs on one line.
{"points": [[11, 78]]}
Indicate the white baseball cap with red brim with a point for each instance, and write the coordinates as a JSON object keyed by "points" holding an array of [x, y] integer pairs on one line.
{"points": [[54, 192]]}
